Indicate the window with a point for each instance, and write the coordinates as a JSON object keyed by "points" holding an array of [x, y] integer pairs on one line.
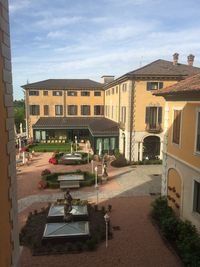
{"points": [[176, 127], [124, 87], [72, 110], [58, 110], [99, 110], [85, 93], [116, 89], [57, 93], [123, 114], [113, 91], [153, 118], [46, 110], [196, 204], [85, 110], [198, 133], [45, 93], [35, 93], [98, 93], [108, 92], [154, 85], [72, 93], [34, 110]]}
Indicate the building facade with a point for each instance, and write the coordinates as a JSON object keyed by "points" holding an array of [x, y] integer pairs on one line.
{"points": [[129, 100], [9, 240], [181, 151]]}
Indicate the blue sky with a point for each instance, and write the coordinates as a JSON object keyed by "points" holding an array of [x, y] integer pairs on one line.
{"points": [[91, 38]]}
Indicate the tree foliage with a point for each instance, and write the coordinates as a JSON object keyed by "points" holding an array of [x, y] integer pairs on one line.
{"points": [[19, 114]]}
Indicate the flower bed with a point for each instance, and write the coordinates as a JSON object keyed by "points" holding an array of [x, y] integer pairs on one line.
{"points": [[182, 235], [52, 178], [31, 234], [57, 159]]}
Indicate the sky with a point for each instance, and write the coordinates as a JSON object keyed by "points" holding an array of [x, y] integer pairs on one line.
{"points": [[89, 38]]}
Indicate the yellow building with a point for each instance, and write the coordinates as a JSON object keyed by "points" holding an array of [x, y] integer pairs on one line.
{"points": [[9, 241], [181, 154], [65, 109], [129, 101]]}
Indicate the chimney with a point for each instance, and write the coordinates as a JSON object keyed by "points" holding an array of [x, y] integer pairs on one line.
{"points": [[107, 79], [175, 58], [190, 59]]}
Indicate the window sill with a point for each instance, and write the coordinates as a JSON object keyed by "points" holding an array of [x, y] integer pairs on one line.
{"points": [[197, 153], [196, 215]]}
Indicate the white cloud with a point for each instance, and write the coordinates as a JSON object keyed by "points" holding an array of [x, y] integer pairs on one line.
{"points": [[16, 5], [50, 22]]}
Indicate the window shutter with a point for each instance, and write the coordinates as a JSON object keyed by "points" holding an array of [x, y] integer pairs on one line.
{"points": [[148, 86], [160, 85], [147, 115], [159, 115], [75, 110]]}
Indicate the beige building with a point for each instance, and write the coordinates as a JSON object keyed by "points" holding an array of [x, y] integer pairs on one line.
{"points": [[181, 153], [9, 240], [129, 101]]}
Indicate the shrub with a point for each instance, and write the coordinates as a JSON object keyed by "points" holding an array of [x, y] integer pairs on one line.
{"points": [[182, 234], [119, 162], [53, 161], [45, 172], [91, 244], [42, 184], [117, 153]]}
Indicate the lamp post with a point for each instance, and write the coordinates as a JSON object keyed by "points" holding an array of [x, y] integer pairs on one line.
{"points": [[71, 147], [96, 185], [76, 142], [107, 218]]}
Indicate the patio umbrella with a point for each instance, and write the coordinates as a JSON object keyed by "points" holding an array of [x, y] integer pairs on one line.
{"points": [[21, 129], [100, 148]]}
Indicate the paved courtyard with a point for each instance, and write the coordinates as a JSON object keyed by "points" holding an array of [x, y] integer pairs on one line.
{"points": [[129, 190]]}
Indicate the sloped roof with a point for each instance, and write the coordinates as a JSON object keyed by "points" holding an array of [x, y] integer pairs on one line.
{"points": [[97, 126], [189, 85], [64, 84], [163, 67], [159, 68]]}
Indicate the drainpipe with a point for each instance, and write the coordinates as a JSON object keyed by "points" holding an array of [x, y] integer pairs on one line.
{"points": [[131, 117]]}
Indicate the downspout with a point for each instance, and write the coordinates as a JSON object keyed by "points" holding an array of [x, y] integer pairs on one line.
{"points": [[119, 103], [131, 118]]}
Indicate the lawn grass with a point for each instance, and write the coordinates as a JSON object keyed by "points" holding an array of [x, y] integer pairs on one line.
{"points": [[51, 147]]}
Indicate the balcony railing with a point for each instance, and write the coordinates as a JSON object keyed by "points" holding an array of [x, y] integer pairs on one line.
{"points": [[153, 128]]}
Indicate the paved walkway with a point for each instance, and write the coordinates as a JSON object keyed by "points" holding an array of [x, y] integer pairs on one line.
{"points": [[129, 191], [124, 182]]}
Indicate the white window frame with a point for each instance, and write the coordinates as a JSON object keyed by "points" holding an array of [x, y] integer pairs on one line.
{"points": [[173, 109]]}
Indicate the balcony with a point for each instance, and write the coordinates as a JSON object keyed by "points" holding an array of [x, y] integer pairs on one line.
{"points": [[153, 128]]}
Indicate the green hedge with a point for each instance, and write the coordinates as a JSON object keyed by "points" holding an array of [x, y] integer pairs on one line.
{"points": [[52, 178], [149, 162], [58, 147], [183, 236]]}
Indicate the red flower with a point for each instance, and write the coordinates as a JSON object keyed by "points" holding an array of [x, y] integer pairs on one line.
{"points": [[53, 161]]}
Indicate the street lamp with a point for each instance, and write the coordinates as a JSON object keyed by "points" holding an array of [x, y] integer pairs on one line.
{"points": [[107, 218], [76, 142], [96, 185]]}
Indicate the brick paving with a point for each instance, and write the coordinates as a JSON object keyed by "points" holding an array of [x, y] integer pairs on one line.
{"points": [[137, 244]]}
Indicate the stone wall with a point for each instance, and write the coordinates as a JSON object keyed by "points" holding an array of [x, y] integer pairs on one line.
{"points": [[9, 242]]}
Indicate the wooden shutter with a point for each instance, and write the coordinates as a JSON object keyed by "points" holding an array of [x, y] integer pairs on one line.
{"points": [[176, 126], [148, 86], [160, 85], [147, 117], [159, 115]]}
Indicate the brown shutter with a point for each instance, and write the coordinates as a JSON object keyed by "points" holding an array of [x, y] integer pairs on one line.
{"points": [[147, 117], [159, 115]]}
